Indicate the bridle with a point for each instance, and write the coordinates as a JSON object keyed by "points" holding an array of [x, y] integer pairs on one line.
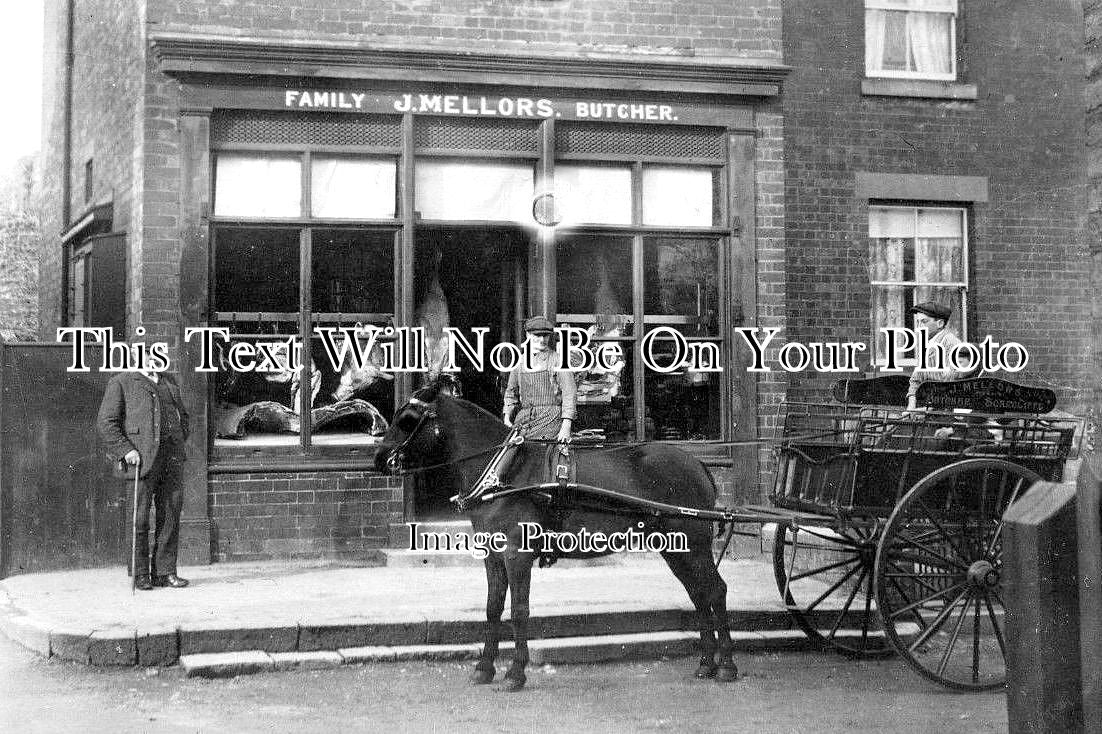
{"points": [[396, 459]]}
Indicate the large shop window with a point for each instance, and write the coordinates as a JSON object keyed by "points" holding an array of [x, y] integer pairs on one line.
{"points": [[912, 39], [343, 228], [916, 254], [640, 248], [655, 267]]}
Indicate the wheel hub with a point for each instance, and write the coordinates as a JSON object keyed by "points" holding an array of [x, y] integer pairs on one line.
{"points": [[983, 575]]}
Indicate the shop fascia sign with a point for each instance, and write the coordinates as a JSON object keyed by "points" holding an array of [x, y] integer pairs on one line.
{"points": [[464, 105]]}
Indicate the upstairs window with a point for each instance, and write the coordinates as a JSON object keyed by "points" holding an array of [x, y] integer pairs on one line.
{"points": [[911, 39], [916, 254]]}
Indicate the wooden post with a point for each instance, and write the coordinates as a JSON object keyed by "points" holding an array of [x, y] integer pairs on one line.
{"points": [[1042, 608], [1090, 588]]}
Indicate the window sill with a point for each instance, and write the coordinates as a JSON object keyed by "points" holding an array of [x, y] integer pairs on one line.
{"points": [[920, 88]]}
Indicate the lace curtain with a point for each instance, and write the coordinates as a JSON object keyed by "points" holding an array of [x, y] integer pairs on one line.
{"points": [[916, 41]]}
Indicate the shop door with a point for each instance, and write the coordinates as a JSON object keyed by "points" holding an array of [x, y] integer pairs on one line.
{"points": [[469, 277]]}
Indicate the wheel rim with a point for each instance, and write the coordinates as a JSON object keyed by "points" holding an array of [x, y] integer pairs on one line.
{"points": [[825, 577], [938, 572]]}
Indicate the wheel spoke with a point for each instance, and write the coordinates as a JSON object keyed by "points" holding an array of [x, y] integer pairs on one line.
{"points": [[868, 609], [926, 600], [995, 625], [944, 535], [846, 606], [944, 662], [902, 593], [821, 569], [938, 621], [837, 539], [833, 588], [976, 645], [999, 527], [931, 562], [932, 552], [918, 580]]}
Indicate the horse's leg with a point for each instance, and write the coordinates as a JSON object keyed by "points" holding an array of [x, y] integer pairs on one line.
{"points": [[519, 567], [497, 583], [717, 599], [701, 597]]}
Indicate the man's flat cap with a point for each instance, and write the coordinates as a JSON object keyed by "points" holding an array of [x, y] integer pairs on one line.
{"points": [[933, 310], [538, 325]]}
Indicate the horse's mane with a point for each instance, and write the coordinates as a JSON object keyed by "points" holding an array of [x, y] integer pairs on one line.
{"points": [[477, 411]]}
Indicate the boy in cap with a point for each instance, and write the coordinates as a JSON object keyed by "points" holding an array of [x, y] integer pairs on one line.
{"points": [[933, 318]]}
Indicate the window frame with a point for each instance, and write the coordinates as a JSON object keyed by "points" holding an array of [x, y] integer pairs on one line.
{"points": [[890, 5], [639, 234], [962, 285]]}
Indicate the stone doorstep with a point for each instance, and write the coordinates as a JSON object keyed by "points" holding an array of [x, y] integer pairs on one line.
{"points": [[573, 650]]}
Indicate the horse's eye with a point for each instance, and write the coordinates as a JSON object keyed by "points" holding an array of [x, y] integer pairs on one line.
{"points": [[407, 421]]}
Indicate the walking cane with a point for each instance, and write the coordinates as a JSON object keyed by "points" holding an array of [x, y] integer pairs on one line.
{"points": [[134, 531]]}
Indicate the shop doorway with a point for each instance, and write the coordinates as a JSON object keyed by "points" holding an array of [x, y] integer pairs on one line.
{"points": [[469, 277]]}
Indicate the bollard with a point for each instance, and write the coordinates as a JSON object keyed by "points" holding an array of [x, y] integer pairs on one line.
{"points": [[1090, 589], [1042, 611]]}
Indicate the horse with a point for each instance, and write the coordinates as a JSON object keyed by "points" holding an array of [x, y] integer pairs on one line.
{"points": [[437, 429]]}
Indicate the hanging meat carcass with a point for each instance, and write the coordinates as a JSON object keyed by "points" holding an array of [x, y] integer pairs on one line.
{"points": [[432, 316]]}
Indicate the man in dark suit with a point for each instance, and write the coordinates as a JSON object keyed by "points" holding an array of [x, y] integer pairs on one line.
{"points": [[143, 422]]}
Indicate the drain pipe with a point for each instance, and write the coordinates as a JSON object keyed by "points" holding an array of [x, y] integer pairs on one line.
{"points": [[67, 158]]}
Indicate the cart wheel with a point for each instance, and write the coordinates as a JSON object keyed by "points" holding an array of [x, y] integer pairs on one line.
{"points": [[938, 569], [825, 579]]}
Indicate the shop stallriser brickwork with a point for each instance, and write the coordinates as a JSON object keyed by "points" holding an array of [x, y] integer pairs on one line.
{"points": [[306, 514]]}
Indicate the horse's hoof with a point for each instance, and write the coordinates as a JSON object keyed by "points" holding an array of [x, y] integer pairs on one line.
{"points": [[706, 671], [512, 685], [726, 673], [481, 677]]}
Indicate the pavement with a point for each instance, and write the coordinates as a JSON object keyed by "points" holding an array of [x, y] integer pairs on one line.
{"points": [[319, 614]]}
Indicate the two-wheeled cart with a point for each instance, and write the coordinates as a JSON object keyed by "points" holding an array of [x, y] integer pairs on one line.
{"points": [[907, 553]]}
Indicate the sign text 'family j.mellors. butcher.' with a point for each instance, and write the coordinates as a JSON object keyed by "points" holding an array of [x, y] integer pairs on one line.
{"points": [[479, 105]]}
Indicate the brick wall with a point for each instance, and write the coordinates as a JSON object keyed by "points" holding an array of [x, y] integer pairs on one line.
{"points": [[1092, 10], [108, 70], [749, 29], [309, 514], [1029, 267]]}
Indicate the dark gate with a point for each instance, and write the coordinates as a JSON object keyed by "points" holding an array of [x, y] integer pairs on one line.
{"points": [[60, 508]]}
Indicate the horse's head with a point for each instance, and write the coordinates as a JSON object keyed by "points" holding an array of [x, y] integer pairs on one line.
{"points": [[434, 428], [415, 437]]}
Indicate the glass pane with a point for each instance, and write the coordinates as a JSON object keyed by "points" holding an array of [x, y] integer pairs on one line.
{"points": [[889, 308], [350, 404], [593, 194], [253, 407], [353, 274], [943, 6], [594, 278], [685, 197], [606, 400], [681, 284], [895, 55], [886, 259], [891, 222], [683, 404], [253, 186], [939, 261], [462, 190], [257, 270], [353, 188], [942, 223]]}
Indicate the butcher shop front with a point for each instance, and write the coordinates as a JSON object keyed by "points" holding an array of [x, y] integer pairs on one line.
{"points": [[363, 204]]}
